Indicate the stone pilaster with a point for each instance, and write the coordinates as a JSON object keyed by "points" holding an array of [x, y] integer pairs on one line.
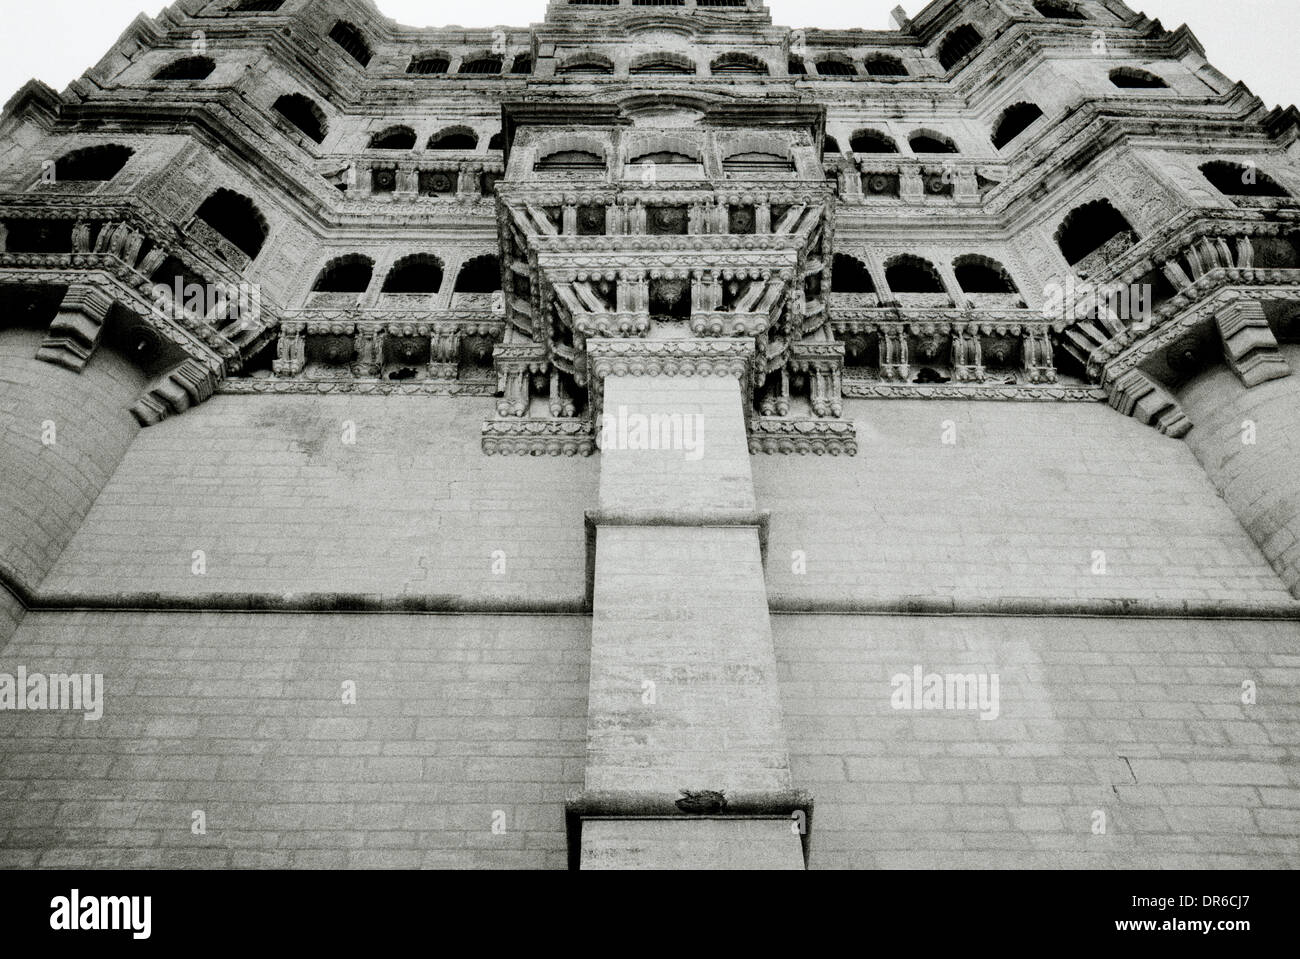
{"points": [[686, 756]]}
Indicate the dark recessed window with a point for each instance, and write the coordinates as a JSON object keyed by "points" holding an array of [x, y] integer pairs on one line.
{"points": [[912, 274], [884, 65], [394, 138], [236, 218], [850, 275], [1240, 179], [483, 66], [1131, 78], [1015, 120], [347, 274], [427, 66], [479, 275], [1088, 228], [188, 68], [931, 143], [1058, 10], [93, 163], [523, 64], [871, 141], [732, 64], [457, 138], [835, 68], [418, 273], [958, 44], [350, 39], [303, 114]]}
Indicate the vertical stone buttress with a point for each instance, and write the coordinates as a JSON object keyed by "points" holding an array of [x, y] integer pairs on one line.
{"points": [[1247, 438], [63, 435], [687, 765]]}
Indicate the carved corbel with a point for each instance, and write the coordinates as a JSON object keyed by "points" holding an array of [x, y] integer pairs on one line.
{"points": [[893, 355], [444, 355], [776, 399], [1135, 394], [513, 385], [291, 352], [561, 403], [187, 385], [76, 329], [370, 353], [967, 357], [1249, 346], [1036, 350]]}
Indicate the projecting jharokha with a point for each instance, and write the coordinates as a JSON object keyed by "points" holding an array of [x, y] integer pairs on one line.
{"points": [[611, 441]]}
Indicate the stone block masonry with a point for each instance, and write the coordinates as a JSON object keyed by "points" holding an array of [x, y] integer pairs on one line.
{"points": [[1140, 721], [279, 503], [466, 734], [1014, 508], [1248, 440], [62, 435]]}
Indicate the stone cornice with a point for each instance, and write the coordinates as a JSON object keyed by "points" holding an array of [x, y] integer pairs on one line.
{"points": [[635, 357]]}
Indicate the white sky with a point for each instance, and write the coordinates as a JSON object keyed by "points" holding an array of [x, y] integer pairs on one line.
{"points": [[1250, 40]]}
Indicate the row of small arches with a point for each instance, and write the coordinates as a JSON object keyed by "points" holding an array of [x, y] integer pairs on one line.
{"points": [[419, 273], [907, 273], [402, 137]]}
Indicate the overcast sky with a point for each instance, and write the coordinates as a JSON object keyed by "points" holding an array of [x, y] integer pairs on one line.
{"points": [[1250, 40]]}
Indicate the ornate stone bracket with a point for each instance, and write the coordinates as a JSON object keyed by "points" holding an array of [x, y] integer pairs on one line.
{"points": [[76, 329], [1135, 394], [1249, 346], [186, 385]]}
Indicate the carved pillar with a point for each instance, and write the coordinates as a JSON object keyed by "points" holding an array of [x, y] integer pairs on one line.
{"points": [[763, 216], [911, 185], [76, 329], [569, 219], [561, 404]]}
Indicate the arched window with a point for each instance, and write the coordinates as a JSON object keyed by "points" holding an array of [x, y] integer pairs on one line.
{"points": [[850, 275], [927, 141], [738, 64], [830, 144], [479, 275], [429, 65], [1131, 78], [719, 3], [100, 163], [982, 274], [417, 273], [346, 274], [497, 142], [750, 164], [796, 68], [236, 218], [1015, 120], [834, 67], [1241, 179], [1058, 10], [586, 64], [523, 64], [187, 68], [1088, 228], [885, 65], [662, 63], [572, 161], [664, 158], [912, 274], [303, 114], [872, 141], [658, 3], [482, 66], [454, 138], [394, 138], [958, 44], [351, 40]]}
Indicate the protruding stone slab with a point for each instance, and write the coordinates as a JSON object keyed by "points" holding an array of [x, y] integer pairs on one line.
{"points": [[188, 384], [691, 844]]}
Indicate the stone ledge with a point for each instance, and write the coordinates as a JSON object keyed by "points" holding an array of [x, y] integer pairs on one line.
{"points": [[644, 806]]}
